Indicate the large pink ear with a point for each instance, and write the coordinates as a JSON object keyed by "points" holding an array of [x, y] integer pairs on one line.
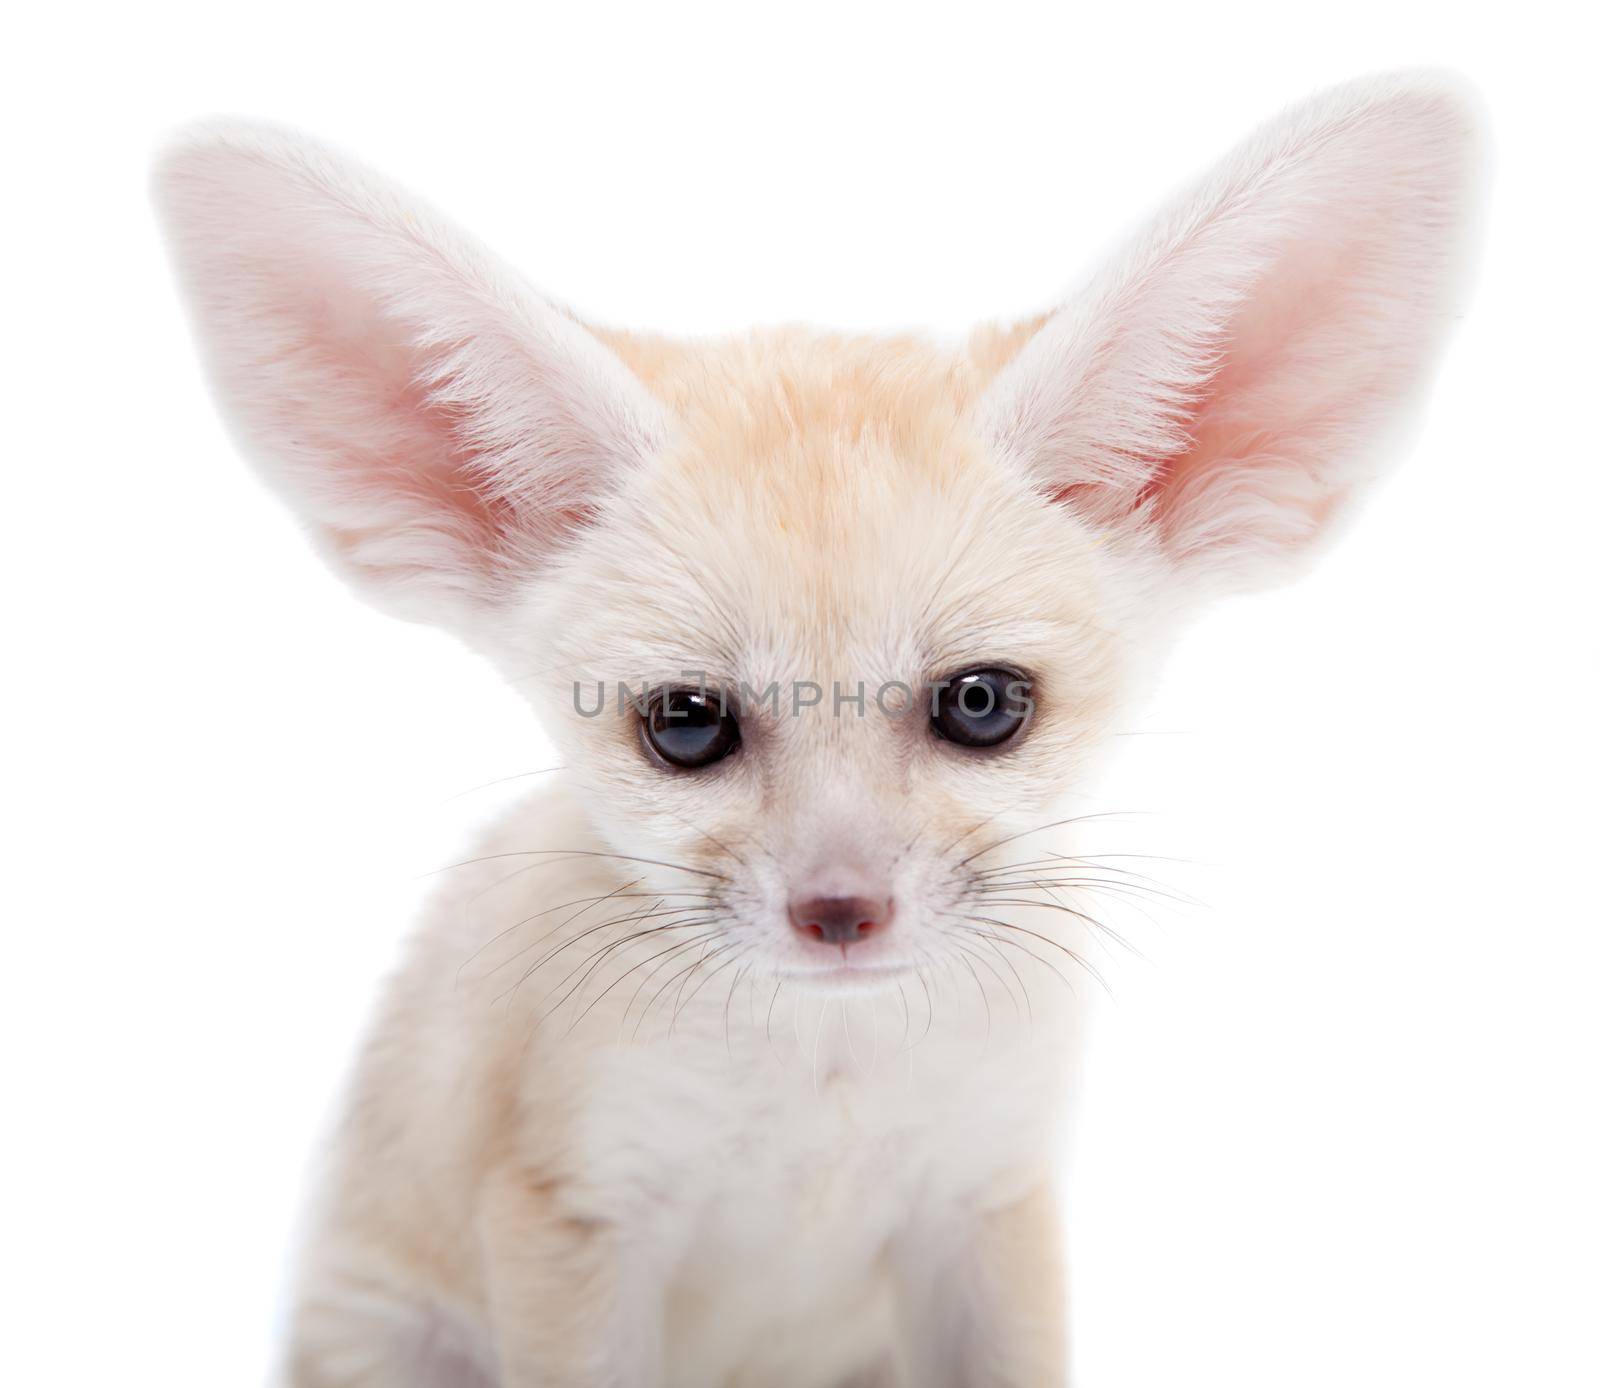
{"points": [[1229, 382], [439, 425]]}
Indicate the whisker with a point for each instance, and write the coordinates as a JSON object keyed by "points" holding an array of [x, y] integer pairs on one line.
{"points": [[678, 1001], [926, 993], [773, 1002], [597, 957], [577, 853], [681, 974], [981, 824], [727, 1008], [1020, 984], [1089, 886], [638, 935], [1132, 900], [1086, 965], [740, 948], [1083, 916], [495, 939], [1060, 862], [995, 941], [626, 919], [988, 1014], [654, 960], [1083, 869], [600, 953], [500, 781], [1040, 828]]}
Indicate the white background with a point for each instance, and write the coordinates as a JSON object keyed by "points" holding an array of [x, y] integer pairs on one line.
{"points": [[1342, 1128]]}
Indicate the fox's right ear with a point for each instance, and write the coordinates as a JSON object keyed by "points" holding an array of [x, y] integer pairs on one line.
{"points": [[438, 425]]}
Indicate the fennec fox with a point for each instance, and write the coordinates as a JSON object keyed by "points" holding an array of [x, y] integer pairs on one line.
{"points": [[739, 1054]]}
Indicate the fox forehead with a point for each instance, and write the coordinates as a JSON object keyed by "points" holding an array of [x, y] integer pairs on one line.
{"points": [[827, 511], [768, 390]]}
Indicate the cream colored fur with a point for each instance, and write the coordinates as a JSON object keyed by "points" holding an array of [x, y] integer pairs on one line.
{"points": [[616, 1123]]}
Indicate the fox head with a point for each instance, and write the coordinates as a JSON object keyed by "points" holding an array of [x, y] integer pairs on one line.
{"points": [[825, 620]]}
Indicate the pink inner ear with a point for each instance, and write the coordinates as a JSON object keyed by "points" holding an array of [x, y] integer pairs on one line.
{"points": [[1235, 377], [436, 423], [382, 450], [1268, 433]]}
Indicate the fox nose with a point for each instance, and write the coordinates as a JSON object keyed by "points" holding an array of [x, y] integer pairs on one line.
{"points": [[840, 920]]}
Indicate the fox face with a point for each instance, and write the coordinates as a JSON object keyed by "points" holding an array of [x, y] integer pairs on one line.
{"points": [[820, 624], [826, 641]]}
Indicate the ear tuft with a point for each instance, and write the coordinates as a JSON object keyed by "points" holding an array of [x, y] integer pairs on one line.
{"points": [[1237, 375], [438, 425]]}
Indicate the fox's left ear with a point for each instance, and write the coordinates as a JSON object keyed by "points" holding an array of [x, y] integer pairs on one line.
{"points": [[1230, 381]]}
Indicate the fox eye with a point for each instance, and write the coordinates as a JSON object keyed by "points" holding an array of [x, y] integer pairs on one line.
{"points": [[981, 708], [689, 728]]}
